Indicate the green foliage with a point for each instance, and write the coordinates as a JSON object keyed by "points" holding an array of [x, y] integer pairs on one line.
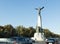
{"points": [[49, 34], [26, 32], [9, 31]]}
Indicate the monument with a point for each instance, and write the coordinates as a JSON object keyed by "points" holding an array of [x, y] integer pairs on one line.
{"points": [[39, 35]]}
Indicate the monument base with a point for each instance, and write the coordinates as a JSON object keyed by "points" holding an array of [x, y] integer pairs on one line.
{"points": [[40, 42], [38, 37]]}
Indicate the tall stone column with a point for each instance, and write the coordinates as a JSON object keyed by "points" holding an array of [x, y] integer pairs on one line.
{"points": [[39, 22]]}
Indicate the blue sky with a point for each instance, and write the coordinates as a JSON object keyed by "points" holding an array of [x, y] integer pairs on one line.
{"points": [[22, 12]]}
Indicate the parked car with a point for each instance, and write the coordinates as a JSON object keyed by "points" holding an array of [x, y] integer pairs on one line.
{"points": [[21, 40], [52, 41], [6, 41]]}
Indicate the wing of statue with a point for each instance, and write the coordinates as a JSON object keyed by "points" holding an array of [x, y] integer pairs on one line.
{"points": [[41, 8], [36, 8]]}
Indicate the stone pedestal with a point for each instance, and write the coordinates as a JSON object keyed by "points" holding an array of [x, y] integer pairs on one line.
{"points": [[38, 37]]}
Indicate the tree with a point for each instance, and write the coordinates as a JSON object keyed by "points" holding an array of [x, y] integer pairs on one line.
{"points": [[9, 30], [2, 31], [25, 32], [20, 30], [31, 31], [47, 33]]}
